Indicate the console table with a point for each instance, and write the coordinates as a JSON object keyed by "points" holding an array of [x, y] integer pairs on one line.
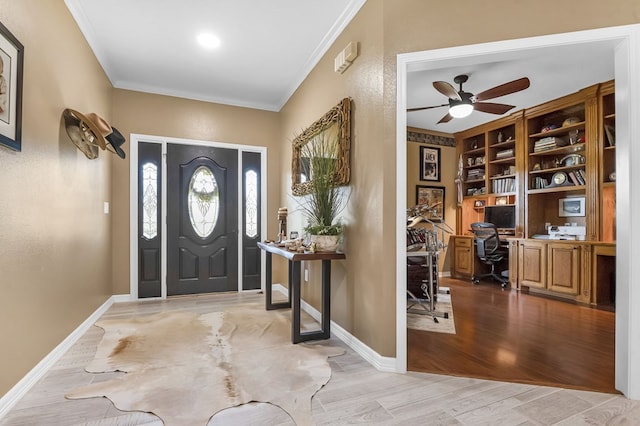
{"points": [[294, 259]]}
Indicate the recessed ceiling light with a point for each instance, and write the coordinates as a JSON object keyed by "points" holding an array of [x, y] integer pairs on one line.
{"points": [[208, 41]]}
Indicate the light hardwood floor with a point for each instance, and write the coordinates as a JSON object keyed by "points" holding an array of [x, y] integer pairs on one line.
{"points": [[356, 393]]}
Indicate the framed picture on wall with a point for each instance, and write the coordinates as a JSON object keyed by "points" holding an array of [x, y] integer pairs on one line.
{"points": [[571, 206], [432, 198], [11, 61], [430, 163]]}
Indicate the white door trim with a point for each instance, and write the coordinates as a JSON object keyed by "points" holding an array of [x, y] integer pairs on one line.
{"points": [[627, 68], [133, 203]]}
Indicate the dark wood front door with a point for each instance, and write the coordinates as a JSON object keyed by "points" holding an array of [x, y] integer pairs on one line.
{"points": [[202, 219]]}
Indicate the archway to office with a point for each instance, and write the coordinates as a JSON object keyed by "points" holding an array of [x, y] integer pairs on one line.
{"points": [[626, 42]]}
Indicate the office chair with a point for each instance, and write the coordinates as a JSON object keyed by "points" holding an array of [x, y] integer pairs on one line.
{"points": [[488, 251]]}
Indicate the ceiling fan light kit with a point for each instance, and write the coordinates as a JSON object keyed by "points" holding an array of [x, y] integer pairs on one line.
{"points": [[461, 104], [460, 109]]}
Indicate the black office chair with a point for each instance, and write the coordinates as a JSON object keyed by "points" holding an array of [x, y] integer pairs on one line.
{"points": [[489, 251]]}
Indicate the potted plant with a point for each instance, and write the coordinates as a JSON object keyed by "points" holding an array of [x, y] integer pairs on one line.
{"points": [[325, 199]]}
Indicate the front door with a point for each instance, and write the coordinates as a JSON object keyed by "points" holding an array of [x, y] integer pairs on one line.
{"points": [[202, 219]]}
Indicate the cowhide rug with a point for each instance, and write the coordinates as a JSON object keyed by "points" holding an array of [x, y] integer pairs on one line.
{"points": [[185, 367]]}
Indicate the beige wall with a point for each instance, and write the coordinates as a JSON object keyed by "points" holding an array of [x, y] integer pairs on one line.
{"points": [[56, 263], [358, 296], [448, 172], [143, 113], [55, 240]]}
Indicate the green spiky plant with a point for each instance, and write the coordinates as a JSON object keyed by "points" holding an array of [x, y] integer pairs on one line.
{"points": [[325, 199]]}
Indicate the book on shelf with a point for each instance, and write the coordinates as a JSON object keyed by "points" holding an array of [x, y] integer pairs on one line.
{"points": [[573, 178], [581, 176], [505, 153], [546, 144], [540, 183]]}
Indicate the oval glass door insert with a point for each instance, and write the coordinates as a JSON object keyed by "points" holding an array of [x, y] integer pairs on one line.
{"points": [[204, 201]]}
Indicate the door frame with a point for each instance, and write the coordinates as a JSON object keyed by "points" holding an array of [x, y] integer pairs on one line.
{"points": [[627, 68], [134, 139]]}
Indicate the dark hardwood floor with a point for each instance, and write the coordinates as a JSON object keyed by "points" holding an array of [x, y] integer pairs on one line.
{"points": [[518, 337]]}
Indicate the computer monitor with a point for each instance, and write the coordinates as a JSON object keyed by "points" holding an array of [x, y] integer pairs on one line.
{"points": [[503, 217]]}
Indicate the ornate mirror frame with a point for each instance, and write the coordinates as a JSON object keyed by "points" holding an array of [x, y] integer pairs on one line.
{"points": [[340, 116]]}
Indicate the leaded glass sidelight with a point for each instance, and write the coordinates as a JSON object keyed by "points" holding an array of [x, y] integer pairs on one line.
{"points": [[204, 201], [251, 204], [150, 200]]}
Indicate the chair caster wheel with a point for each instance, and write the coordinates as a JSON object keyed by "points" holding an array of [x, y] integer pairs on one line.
{"points": [[474, 280]]}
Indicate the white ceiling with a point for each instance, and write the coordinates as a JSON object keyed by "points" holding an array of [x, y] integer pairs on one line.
{"points": [[268, 47], [553, 72]]}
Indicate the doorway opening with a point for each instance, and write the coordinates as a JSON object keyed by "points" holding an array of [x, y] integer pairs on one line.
{"points": [[627, 64]]}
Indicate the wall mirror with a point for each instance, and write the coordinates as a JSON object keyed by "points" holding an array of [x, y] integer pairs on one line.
{"points": [[334, 125]]}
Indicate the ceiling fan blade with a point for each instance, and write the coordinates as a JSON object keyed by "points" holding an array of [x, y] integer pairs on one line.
{"points": [[446, 89], [447, 118], [429, 107], [504, 89], [492, 108]]}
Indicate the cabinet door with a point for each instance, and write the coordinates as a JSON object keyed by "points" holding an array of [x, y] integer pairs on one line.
{"points": [[564, 271], [464, 261], [532, 266], [513, 264]]}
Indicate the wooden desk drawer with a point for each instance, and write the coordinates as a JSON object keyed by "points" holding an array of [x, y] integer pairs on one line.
{"points": [[464, 242]]}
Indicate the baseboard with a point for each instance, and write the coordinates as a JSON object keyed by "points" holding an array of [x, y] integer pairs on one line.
{"points": [[14, 394], [378, 361]]}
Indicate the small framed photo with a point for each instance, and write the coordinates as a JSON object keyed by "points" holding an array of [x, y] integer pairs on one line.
{"points": [[430, 163], [433, 198], [573, 206], [11, 62], [501, 201]]}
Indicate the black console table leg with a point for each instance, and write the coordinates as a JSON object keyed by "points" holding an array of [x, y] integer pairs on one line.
{"points": [[294, 295], [326, 299], [268, 290]]}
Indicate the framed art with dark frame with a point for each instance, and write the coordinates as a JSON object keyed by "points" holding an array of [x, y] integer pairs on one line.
{"points": [[432, 196], [11, 63], [430, 163]]}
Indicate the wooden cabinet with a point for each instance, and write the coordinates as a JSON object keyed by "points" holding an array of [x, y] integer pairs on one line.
{"points": [[462, 263], [513, 264], [564, 268], [561, 161], [532, 264], [490, 164], [607, 163], [581, 271]]}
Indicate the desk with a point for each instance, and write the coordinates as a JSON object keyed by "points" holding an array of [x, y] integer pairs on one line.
{"points": [[294, 259]]}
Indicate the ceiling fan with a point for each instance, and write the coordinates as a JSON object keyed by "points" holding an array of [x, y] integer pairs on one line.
{"points": [[462, 103]]}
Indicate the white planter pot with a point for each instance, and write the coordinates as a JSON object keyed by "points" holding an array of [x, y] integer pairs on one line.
{"points": [[326, 242]]}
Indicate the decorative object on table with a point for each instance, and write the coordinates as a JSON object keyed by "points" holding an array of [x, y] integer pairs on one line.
{"points": [[217, 355], [325, 199], [432, 196], [282, 224], [430, 163], [11, 64]]}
